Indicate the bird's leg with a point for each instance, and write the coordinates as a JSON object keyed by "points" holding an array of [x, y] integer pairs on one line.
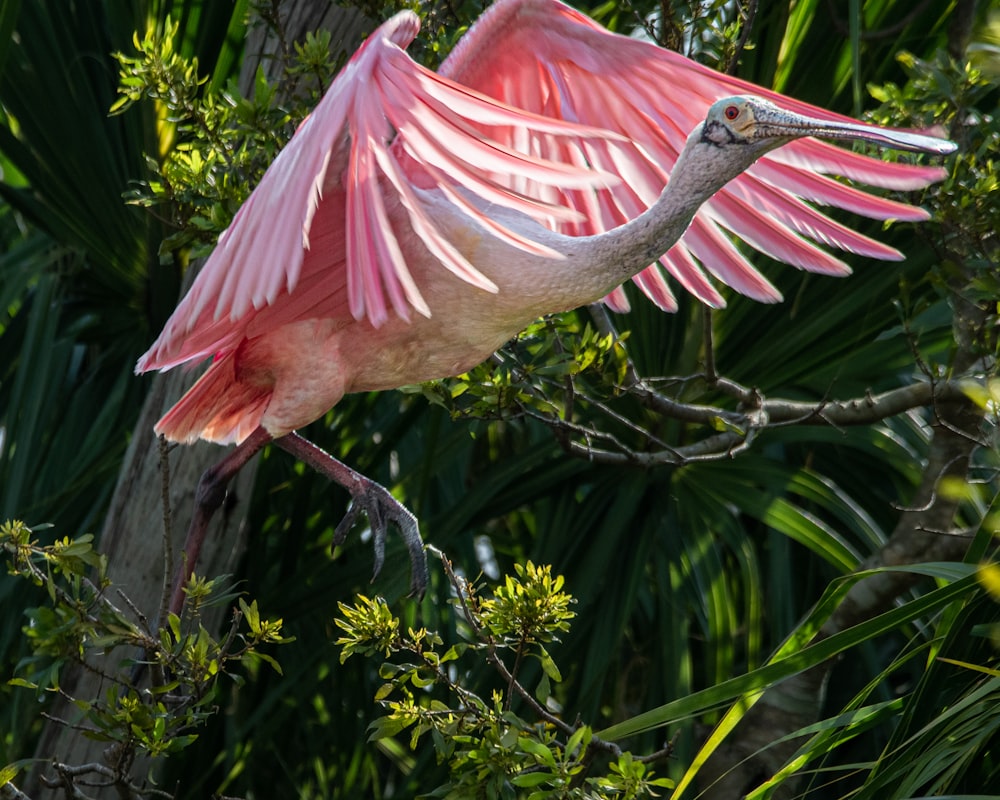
{"points": [[208, 497], [370, 497]]}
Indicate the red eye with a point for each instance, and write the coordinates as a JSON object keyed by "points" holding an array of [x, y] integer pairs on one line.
{"points": [[731, 112]]}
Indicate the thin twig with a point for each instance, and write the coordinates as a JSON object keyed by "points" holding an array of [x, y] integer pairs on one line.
{"points": [[168, 550], [759, 414], [505, 674], [8, 791], [748, 20], [708, 344]]}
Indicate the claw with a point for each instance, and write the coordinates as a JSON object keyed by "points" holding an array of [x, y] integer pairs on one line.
{"points": [[375, 501], [345, 525], [410, 531], [382, 509]]}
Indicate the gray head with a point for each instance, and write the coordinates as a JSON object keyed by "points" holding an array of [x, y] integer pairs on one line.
{"points": [[760, 125]]}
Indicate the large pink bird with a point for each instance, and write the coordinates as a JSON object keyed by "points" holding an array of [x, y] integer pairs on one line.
{"points": [[416, 221]]}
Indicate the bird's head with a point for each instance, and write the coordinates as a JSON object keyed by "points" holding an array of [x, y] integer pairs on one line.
{"points": [[760, 125]]}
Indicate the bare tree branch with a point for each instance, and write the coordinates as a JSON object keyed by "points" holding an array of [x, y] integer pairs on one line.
{"points": [[742, 426], [9, 791]]}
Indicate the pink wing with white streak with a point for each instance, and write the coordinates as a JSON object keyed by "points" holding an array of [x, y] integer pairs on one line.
{"points": [[545, 57], [314, 238]]}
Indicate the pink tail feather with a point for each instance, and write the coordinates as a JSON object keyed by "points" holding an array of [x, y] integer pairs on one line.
{"points": [[218, 408]]}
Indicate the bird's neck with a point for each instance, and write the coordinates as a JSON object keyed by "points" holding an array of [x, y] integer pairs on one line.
{"points": [[607, 260]]}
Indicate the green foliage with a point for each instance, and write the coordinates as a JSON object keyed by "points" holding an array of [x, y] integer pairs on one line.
{"points": [[221, 142], [73, 268], [545, 371], [491, 751], [706, 30], [944, 739], [78, 300], [370, 628], [962, 97], [528, 612], [81, 624]]}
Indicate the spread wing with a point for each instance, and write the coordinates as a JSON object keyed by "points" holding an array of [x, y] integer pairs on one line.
{"points": [[314, 237], [545, 57]]}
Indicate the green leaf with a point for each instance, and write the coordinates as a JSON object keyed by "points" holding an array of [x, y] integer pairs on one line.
{"points": [[269, 660], [791, 661], [385, 727], [527, 780], [541, 752], [548, 665], [8, 773], [544, 689]]}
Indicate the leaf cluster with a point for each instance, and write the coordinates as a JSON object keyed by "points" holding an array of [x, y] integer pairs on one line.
{"points": [[215, 143], [492, 750], [81, 624], [707, 30], [956, 93], [546, 371]]}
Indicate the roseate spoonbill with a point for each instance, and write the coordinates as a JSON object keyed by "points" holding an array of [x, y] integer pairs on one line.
{"points": [[416, 221]]}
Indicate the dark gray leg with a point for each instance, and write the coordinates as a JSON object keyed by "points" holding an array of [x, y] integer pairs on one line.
{"points": [[370, 497], [208, 497]]}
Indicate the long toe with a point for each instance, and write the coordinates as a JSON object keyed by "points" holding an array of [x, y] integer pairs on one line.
{"points": [[372, 498], [389, 509], [418, 556], [382, 509]]}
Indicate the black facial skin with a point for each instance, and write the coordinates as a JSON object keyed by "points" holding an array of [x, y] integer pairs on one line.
{"points": [[719, 135]]}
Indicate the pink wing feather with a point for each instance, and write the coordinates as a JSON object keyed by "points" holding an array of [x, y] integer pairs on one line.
{"points": [[545, 57], [538, 109], [315, 232]]}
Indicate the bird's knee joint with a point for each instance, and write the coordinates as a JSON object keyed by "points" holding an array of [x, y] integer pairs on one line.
{"points": [[211, 490]]}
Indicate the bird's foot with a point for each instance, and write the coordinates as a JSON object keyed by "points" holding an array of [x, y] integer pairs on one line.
{"points": [[382, 509]]}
